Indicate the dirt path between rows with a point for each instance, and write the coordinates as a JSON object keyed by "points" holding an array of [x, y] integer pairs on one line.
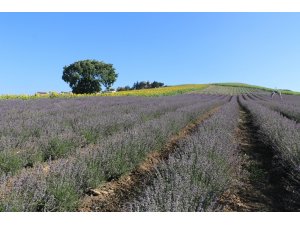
{"points": [[111, 196], [261, 186]]}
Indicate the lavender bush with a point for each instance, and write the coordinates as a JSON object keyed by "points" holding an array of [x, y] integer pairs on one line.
{"points": [[61, 182], [292, 111], [38, 130], [292, 100], [282, 135], [198, 172], [278, 131]]}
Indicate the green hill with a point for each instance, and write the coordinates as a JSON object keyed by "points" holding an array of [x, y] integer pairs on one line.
{"points": [[242, 85]]}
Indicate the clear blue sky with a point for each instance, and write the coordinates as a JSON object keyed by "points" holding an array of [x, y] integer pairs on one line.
{"points": [[174, 48]]}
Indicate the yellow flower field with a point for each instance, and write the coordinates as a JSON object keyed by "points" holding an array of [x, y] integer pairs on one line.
{"points": [[163, 91]]}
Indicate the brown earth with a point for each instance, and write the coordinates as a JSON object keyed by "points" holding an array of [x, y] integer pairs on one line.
{"points": [[260, 188]]}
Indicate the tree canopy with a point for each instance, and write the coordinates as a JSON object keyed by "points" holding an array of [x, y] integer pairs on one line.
{"points": [[146, 84], [141, 85], [86, 76]]}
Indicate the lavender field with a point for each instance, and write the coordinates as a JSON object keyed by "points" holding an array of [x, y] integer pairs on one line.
{"points": [[218, 151]]}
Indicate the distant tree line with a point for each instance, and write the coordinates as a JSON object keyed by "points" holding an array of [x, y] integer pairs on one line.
{"points": [[141, 85], [87, 76]]}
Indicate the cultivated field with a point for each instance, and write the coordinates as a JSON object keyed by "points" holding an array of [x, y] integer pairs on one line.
{"points": [[215, 149], [153, 92]]}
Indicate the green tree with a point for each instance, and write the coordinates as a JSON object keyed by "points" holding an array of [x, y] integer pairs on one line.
{"points": [[108, 77], [86, 76], [156, 84]]}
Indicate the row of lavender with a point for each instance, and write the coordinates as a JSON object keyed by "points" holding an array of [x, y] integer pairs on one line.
{"points": [[38, 130], [286, 99], [282, 135], [58, 185], [289, 106], [198, 172]]}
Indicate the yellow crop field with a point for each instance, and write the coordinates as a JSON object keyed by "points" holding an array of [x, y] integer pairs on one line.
{"points": [[153, 92], [163, 91]]}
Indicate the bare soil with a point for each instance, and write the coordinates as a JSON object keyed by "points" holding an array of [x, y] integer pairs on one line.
{"points": [[262, 186], [111, 196]]}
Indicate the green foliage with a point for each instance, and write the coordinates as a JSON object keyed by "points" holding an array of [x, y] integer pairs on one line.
{"points": [[117, 166], [57, 148], [146, 84], [65, 196], [90, 136], [13, 161], [93, 177], [141, 85], [108, 76], [10, 163], [31, 157], [86, 76], [288, 92]]}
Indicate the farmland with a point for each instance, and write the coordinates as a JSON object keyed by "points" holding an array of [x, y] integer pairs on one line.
{"points": [[207, 148], [153, 92]]}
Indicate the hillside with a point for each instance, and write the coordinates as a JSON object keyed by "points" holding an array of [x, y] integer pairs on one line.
{"points": [[228, 148], [255, 87], [215, 88]]}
